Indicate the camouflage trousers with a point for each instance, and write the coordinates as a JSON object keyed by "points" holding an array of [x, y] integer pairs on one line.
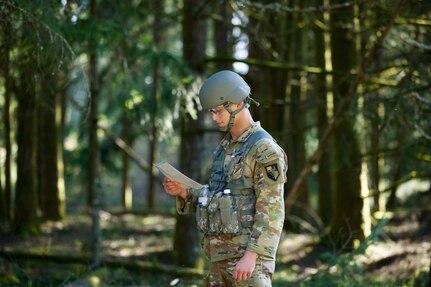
{"points": [[220, 274]]}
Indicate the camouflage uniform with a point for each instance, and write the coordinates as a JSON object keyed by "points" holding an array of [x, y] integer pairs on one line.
{"points": [[262, 169]]}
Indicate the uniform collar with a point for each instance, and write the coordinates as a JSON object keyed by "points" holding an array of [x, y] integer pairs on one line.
{"points": [[243, 137]]}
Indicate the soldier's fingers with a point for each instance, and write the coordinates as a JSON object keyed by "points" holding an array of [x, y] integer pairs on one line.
{"points": [[240, 275], [236, 275], [246, 275]]}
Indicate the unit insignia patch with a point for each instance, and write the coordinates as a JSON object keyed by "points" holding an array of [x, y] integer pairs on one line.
{"points": [[272, 171]]}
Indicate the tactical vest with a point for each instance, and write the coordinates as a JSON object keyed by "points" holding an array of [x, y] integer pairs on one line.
{"points": [[229, 213]]}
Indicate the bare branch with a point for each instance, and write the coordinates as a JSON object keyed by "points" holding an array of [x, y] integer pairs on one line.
{"points": [[131, 153]]}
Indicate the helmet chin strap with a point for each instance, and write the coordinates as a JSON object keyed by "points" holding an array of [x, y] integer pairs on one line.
{"points": [[246, 104]]}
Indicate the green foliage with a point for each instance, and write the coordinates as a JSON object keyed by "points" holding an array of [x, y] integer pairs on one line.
{"points": [[27, 229], [34, 274], [344, 269]]}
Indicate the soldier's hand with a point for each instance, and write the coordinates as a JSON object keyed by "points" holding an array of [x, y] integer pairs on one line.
{"points": [[245, 266], [174, 188]]}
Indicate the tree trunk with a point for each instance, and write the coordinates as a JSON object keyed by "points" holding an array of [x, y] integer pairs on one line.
{"points": [[374, 143], [157, 6], [396, 169], [93, 145], [279, 50], [126, 138], [51, 199], [256, 77], [347, 219], [8, 155], [194, 34], [6, 72], [268, 42], [296, 116], [186, 241], [322, 48], [223, 33], [59, 119], [93, 200], [126, 194], [392, 199], [4, 64], [25, 210], [373, 106]]}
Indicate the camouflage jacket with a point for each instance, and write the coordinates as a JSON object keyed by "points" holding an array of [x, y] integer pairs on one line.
{"points": [[264, 170]]}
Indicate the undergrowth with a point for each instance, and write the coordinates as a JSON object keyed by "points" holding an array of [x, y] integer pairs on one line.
{"points": [[344, 270]]}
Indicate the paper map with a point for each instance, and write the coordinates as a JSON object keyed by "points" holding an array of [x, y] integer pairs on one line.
{"points": [[169, 171]]}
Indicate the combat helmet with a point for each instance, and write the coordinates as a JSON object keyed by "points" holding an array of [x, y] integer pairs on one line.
{"points": [[223, 88]]}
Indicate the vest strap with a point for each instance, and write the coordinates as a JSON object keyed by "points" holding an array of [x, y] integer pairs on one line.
{"points": [[219, 179]]}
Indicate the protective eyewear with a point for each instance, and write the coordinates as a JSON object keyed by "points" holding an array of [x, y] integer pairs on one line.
{"points": [[215, 111]]}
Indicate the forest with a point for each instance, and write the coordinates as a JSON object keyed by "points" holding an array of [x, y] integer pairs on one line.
{"points": [[93, 93]]}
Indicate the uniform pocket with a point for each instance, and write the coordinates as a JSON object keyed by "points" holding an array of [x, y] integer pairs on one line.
{"points": [[229, 215], [214, 219], [202, 219]]}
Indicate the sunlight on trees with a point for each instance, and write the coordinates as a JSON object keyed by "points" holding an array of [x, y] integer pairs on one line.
{"points": [[91, 98]]}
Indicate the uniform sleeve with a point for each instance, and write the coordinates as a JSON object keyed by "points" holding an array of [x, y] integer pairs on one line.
{"points": [[269, 178], [187, 205]]}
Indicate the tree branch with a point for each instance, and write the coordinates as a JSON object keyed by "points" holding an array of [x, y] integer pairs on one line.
{"points": [[131, 153]]}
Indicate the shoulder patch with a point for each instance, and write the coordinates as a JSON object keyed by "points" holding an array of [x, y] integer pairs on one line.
{"points": [[271, 160], [272, 171]]}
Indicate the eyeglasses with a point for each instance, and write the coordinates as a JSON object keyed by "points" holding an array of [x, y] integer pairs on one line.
{"points": [[215, 111]]}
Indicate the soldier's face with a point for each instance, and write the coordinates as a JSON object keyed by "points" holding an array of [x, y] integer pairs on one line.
{"points": [[220, 116]]}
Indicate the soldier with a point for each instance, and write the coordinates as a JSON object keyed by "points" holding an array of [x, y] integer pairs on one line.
{"points": [[241, 211]]}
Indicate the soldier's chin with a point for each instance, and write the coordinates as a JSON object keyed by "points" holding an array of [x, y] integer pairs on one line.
{"points": [[223, 128]]}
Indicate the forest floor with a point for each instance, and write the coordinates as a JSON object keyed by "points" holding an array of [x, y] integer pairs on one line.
{"points": [[398, 255]]}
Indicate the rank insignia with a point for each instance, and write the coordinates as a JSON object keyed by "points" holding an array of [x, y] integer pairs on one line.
{"points": [[272, 171]]}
